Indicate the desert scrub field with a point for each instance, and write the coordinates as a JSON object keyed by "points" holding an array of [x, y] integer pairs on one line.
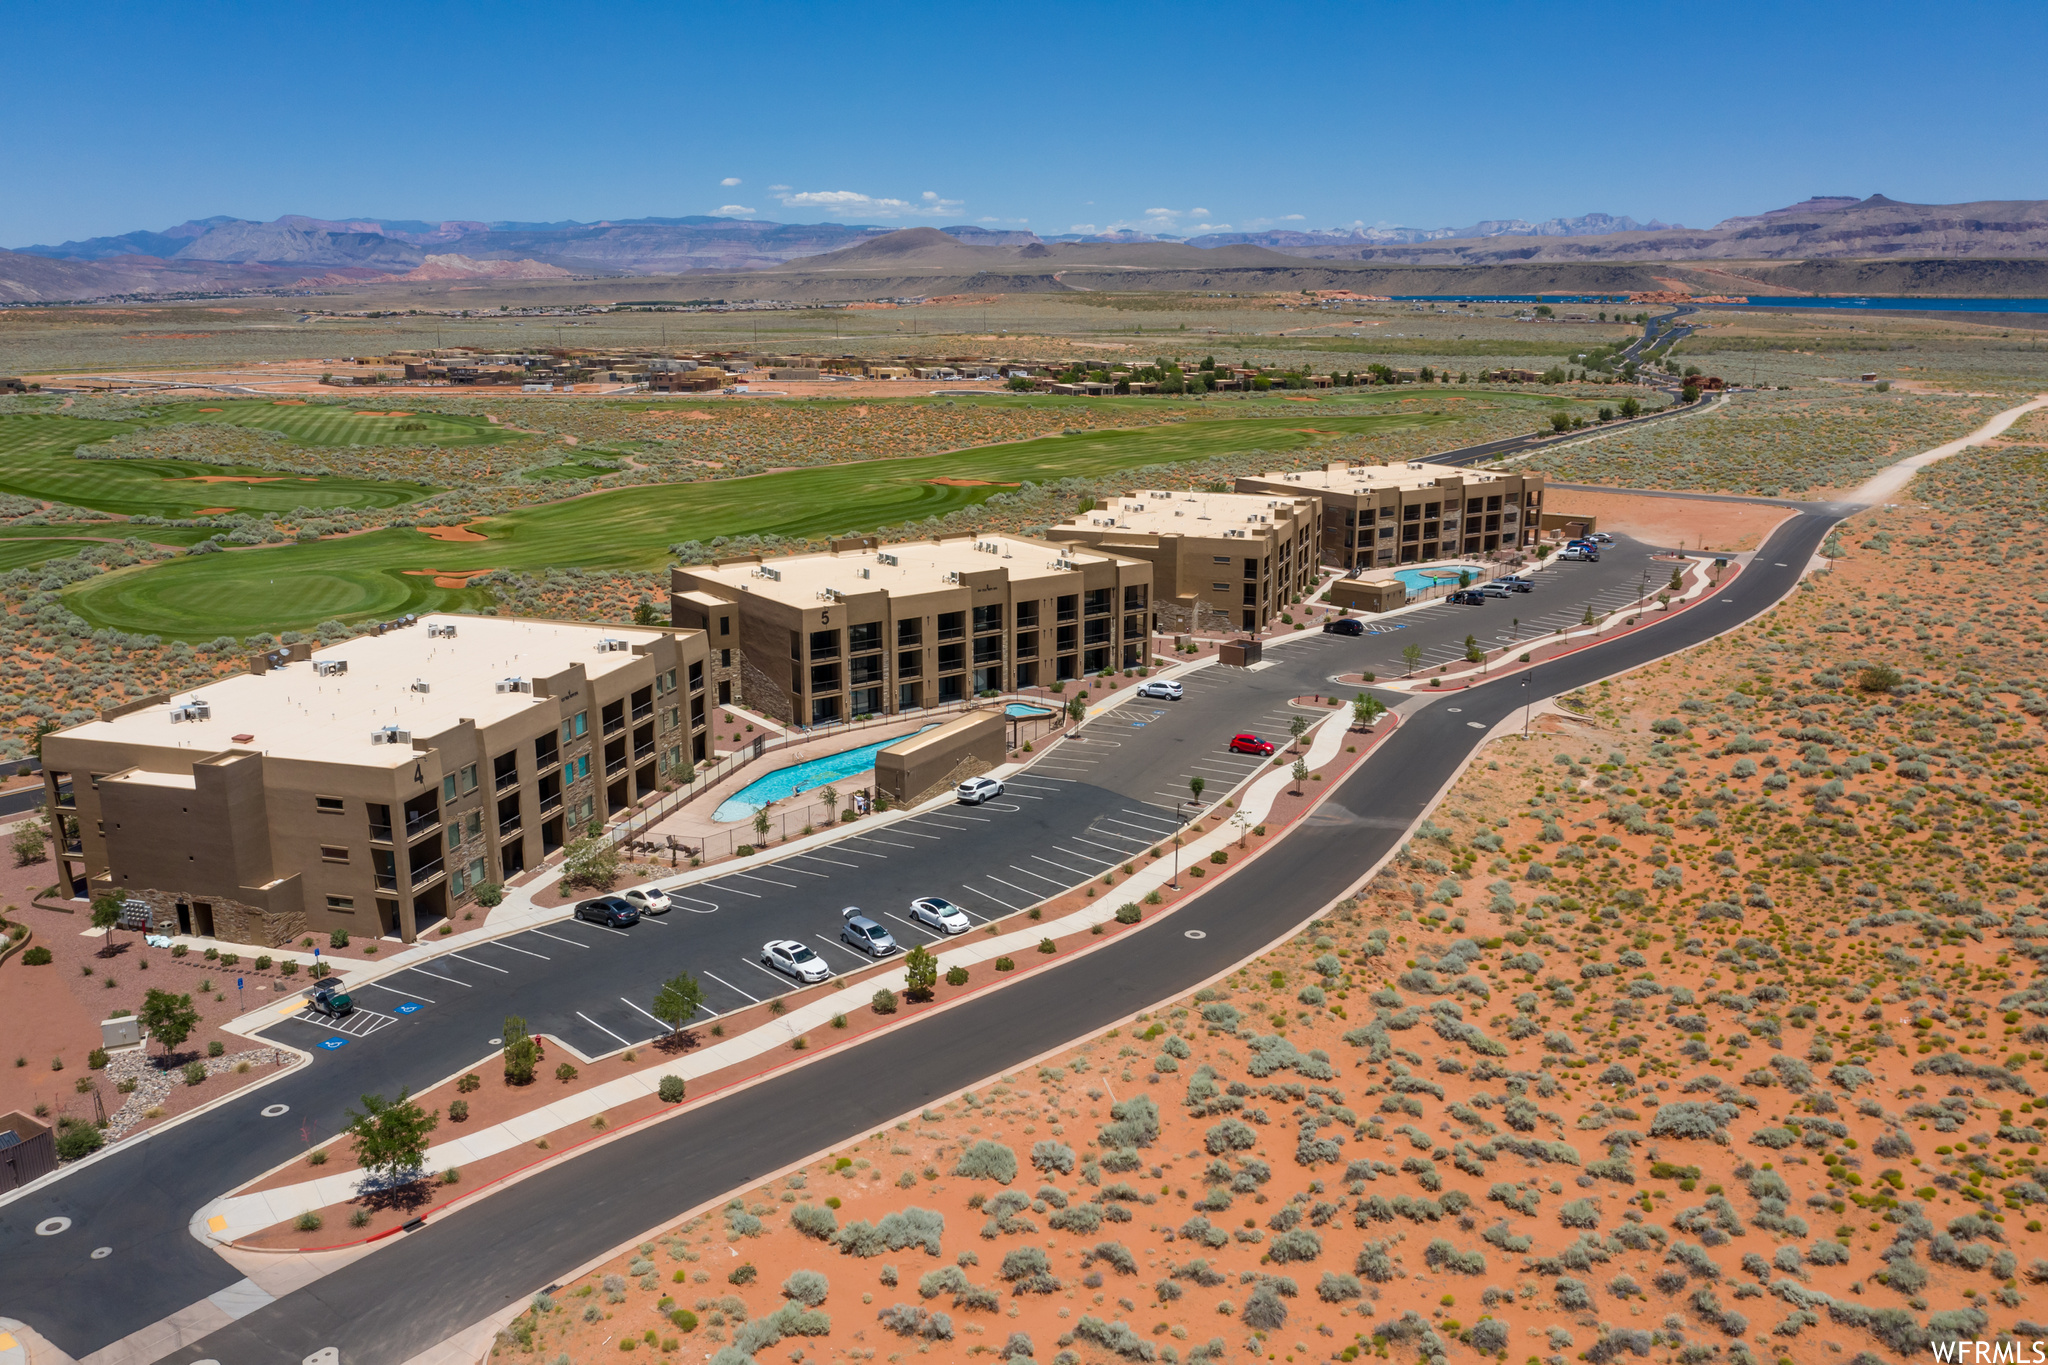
{"points": [[1805, 442]]}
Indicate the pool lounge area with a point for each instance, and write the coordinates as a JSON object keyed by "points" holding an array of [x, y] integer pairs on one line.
{"points": [[809, 775]]}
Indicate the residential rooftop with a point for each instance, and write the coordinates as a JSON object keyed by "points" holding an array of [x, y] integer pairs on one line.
{"points": [[412, 678], [1188, 514], [911, 566], [1340, 476]]}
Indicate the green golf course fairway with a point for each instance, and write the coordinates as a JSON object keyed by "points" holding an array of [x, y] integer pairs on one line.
{"points": [[37, 461], [245, 592]]}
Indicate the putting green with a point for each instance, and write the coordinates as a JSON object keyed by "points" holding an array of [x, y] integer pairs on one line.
{"points": [[244, 592]]}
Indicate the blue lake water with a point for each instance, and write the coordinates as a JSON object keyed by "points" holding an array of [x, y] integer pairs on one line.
{"points": [[784, 783]]}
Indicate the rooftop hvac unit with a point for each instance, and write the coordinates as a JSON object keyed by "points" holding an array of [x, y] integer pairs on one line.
{"points": [[832, 594], [391, 734], [435, 632], [612, 645], [410, 619], [1063, 564], [514, 685], [952, 576], [866, 573], [191, 710], [278, 658], [330, 668], [886, 558], [422, 685], [773, 575]]}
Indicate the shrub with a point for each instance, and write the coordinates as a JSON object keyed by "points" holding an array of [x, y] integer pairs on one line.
{"points": [[670, 1090], [1442, 1255], [309, 1221], [1006, 964], [684, 1320], [338, 939], [195, 1073], [987, 1160], [813, 1221], [1129, 913], [742, 1274], [458, 1111], [1263, 1310], [1295, 1244], [566, 1072], [956, 976], [469, 1084], [37, 956], [884, 1002], [1337, 1288], [75, 1140], [1053, 1157], [216, 1048]]}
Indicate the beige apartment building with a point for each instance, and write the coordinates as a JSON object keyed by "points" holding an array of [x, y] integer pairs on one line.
{"points": [[1377, 514], [372, 785], [863, 629], [1220, 561]]}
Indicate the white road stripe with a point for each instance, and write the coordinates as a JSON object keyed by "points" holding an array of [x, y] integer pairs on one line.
{"points": [[997, 899], [405, 994], [734, 989], [499, 943], [601, 1028], [737, 891], [474, 963], [438, 977], [1025, 892], [559, 939], [787, 886]]}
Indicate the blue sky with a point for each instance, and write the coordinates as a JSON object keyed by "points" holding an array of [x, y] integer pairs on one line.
{"points": [[1054, 118]]}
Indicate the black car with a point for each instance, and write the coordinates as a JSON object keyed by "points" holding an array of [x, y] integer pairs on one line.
{"points": [[1468, 597], [1344, 625], [611, 911]]}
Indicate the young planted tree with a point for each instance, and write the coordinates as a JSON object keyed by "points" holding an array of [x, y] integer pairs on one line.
{"points": [[106, 914], [169, 1018], [1297, 727], [1300, 774], [678, 1001], [31, 843], [1473, 653], [522, 1053], [1197, 785], [761, 822], [1365, 710], [920, 972], [391, 1137], [1411, 655]]}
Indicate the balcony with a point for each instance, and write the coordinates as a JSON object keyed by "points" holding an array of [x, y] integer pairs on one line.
{"points": [[506, 781], [426, 872], [642, 752], [66, 799], [614, 724], [75, 847], [642, 711], [1068, 614], [547, 762], [952, 632], [416, 825], [380, 833], [549, 804], [614, 766], [387, 881], [508, 828]]}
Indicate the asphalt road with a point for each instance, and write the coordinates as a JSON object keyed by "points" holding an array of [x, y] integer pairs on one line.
{"points": [[502, 1250], [1085, 806]]}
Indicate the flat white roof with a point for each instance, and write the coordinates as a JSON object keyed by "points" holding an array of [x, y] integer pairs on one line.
{"points": [[293, 712], [1364, 478], [1190, 514], [912, 566]]}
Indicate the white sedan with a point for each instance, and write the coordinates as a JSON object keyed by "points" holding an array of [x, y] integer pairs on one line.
{"points": [[791, 958], [648, 900], [941, 914]]}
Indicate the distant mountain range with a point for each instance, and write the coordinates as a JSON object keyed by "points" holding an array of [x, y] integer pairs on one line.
{"points": [[222, 253]]}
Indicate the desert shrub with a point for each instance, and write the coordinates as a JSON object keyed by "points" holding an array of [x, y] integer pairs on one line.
{"points": [[1053, 1157], [1338, 1288], [1295, 1244], [813, 1221], [1264, 1311], [1136, 1123], [1231, 1135], [1117, 1337], [1442, 1255], [987, 1160], [950, 1279], [806, 1287]]}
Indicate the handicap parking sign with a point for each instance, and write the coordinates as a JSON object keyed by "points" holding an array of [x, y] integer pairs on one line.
{"points": [[332, 1043], [409, 1007]]}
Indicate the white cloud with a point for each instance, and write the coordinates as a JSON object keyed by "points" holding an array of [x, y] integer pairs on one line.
{"points": [[927, 205], [730, 180], [734, 211], [778, 189], [1082, 227], [1198, 213], [1290, 217]]}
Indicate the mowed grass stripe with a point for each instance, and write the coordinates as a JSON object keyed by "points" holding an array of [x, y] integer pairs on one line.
{"points": [[293, 587]]}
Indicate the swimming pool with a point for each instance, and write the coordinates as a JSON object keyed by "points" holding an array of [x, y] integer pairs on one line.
{"points": [[1018, 710], [784, 783], [1421, 580]]}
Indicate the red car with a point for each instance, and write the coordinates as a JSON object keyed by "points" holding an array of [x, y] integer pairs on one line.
{"points": [[1251, 744]]}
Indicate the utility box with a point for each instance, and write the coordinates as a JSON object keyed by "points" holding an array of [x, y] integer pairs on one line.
{"points": [[1240, 653], [123, 1032]]}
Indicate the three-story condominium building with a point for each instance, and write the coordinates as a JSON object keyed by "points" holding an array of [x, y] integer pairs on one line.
{"points": [[871, 630], [1375, 514], [372, 785], [1228, 561]]}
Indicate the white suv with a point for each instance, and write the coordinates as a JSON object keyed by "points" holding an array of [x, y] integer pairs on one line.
{"points": [[1169, 691], [976, 790]]}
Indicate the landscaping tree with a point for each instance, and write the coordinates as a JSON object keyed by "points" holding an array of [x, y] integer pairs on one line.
{"points": [[1300, 774], [593, 862], [1678, 578], [1630, 407], [1297, 728], [391, 1138], [169, 1018], [1412, 655], [1473, 653], [1197, 785], [920, 972], [31, 843], [1365, 710], [1076, 708], [106, 913], [644, 613], [677, 1002], [522, 1053], [761, 822]]}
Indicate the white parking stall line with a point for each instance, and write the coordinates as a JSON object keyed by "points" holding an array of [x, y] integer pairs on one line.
{"points": [[1021, 796], [1112, 834], [848, 847], [500, 943], [784, 866], [1020, 782], [656, 920], [869, 838], [844, 949], [408, 995], [474, 963], [734, 989], [605, 927], [1163, 810], [1077, 871], [663, 1022], [929, 935], [556, 937], [1084, 857], [601, 1028], [958, 815], [997, 899], [1028, 894], [1070, 781], [737, 891], [1142, 829], [933, 819], [821, 858], [787, 886], [1092, 844], [438, 977], [1170, 821], [1049, 881]]}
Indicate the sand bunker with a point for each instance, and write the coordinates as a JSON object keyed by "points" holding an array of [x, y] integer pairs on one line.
{"points": [[287, 402], [383, 414], [450, 533], [449, 578], [951, 482], [211, 511], [236, 478]]}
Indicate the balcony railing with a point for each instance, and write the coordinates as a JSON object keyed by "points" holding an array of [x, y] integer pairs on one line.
{"points": [[550, 804], [505, 780], [426, 872], [547, 762], [643, 711], [380, 833], [614, 724], [643, 751], [614, 766], [416, 825], [508, 827], [387, 881]]}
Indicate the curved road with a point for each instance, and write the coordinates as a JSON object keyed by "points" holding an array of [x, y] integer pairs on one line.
{"points": [[502, 1250]]}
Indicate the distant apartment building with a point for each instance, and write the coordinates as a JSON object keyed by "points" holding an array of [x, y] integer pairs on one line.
{"points": [[876, 630], [1220, 561], [372, 785], [1376, 514]]}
